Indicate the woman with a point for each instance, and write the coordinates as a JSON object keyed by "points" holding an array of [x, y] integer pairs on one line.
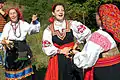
{"points": [[3, 21], [18, 54], [58, 40], [101, 50]]}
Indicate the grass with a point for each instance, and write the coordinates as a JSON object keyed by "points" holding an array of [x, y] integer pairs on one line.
{"points": [[2, 73]]}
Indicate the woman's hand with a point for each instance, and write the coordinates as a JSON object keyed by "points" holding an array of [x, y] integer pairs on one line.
{"points": [[75, 51], [75, 46], [6, 42], [34, 17], [2, 12], [65, 50]]}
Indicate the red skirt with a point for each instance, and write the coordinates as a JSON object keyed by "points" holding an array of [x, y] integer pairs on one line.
{"points": [[52, 70]]}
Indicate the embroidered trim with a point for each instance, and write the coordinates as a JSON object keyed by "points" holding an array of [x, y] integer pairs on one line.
{"points": [[101, 40], [56, 32], [20, 74], [46, 43], [81, 28]]}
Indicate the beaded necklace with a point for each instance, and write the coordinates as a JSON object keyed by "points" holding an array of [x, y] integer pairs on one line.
{"points": [[14, 27]]}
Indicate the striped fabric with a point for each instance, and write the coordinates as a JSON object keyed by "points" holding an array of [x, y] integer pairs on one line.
{"points": [[19, 74], [2, 22]]}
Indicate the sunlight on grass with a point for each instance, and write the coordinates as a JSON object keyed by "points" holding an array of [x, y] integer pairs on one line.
{"points": [[2, 77]]}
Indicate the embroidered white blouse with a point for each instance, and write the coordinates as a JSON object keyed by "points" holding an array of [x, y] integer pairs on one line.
{"points": [[80, 31], [19, 31], [97, 43]]}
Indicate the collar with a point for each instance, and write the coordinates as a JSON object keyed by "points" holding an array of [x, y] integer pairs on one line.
{"points": [[59, 25]]}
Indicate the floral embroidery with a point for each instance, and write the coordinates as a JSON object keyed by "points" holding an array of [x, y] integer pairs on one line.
{"points": [[101, 40], [46, 43], [61, 35], [81, 28]]}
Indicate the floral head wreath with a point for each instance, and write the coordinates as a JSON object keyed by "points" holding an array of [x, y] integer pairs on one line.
{"points": [[110, 17]]}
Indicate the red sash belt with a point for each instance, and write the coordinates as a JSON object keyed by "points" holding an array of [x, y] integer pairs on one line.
{"points": [[109, 61]]}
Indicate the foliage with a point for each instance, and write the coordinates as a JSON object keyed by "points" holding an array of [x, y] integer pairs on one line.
{"points": [[81, 10]]}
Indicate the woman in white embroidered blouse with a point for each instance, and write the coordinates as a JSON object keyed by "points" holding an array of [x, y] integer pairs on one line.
{"points": [[100, 54], [13, 38], [58, 40]]}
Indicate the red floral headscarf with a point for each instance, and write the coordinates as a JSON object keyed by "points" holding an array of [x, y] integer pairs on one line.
{"points": [[110, 16], [20, 16]]}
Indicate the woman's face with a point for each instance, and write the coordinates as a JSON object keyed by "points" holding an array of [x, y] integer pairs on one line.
{"points": [[1, 5], [13, 15], [59, 13], [98, 20]]}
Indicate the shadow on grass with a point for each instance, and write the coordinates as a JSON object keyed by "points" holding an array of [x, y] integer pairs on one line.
{"points": [[39, 74]]}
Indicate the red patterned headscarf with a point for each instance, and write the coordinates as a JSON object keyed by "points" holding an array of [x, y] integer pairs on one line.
{"points": [[110, 17]]}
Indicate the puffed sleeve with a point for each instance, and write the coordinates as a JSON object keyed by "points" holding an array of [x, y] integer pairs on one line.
{"points": [[87, 57], [80, 31], [47, 44], [92, 49], [34, 27], [5, 33]]}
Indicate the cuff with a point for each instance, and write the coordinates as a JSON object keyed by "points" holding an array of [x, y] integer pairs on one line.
{"points": [[35, 22]]}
